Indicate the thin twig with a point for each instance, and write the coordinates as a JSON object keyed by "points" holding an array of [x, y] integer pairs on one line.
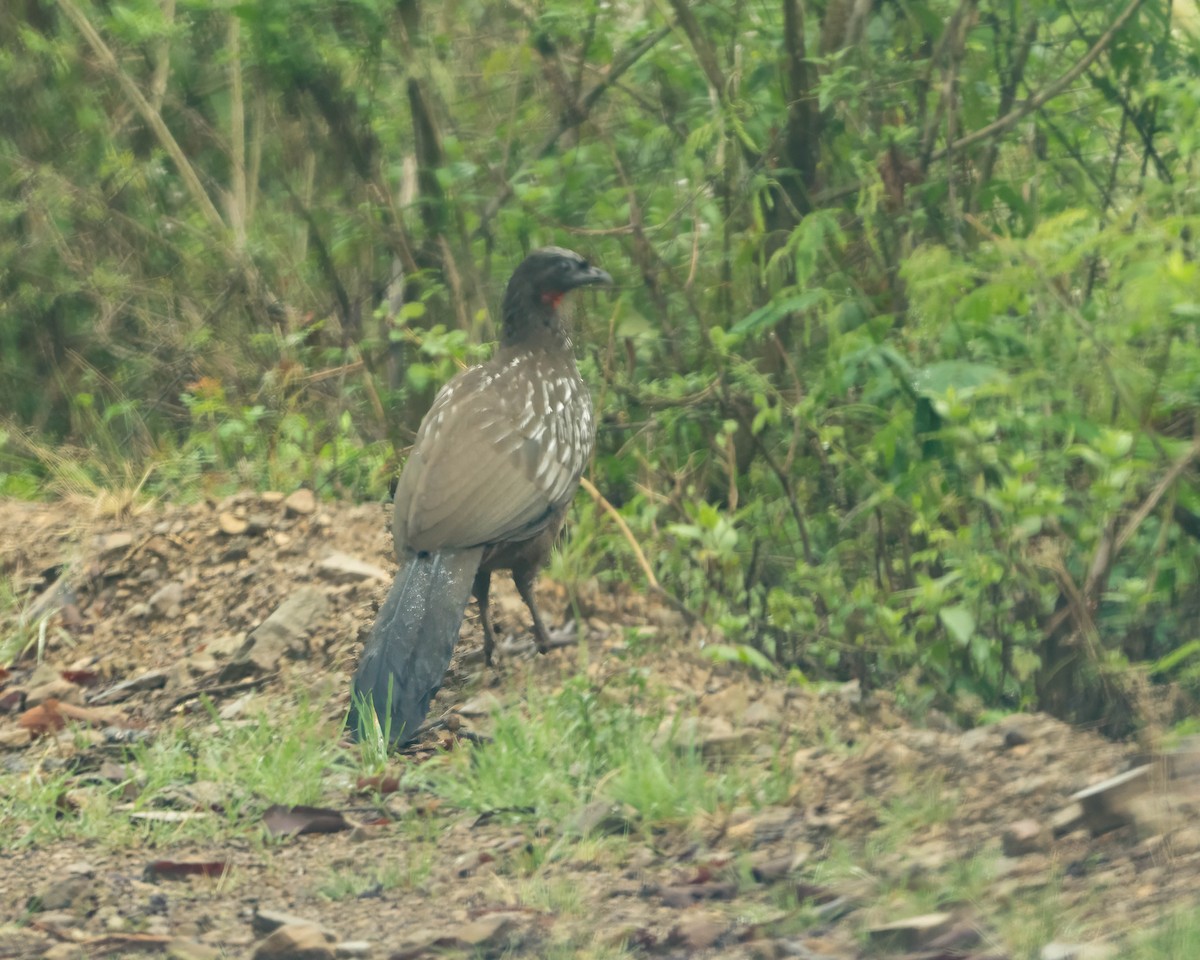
{"points": [[612, 511], [1049, 92], [1036, 102], [237, 135], [152, 117], [573, 118]]}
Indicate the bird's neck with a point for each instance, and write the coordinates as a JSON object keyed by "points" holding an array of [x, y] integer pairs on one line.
{"points": [[534, 326]]}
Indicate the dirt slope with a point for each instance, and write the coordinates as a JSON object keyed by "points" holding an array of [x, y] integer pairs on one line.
{"points": [[863, 820]]}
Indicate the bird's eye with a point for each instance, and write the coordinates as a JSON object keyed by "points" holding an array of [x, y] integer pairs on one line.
{"points": [[565, 266]]}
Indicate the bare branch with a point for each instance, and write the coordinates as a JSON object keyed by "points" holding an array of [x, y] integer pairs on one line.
{"points": [[574, 118], [151, 116], [1049, 92]]}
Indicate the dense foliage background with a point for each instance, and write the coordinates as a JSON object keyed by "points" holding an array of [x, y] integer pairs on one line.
{"points": [[902, 376]]}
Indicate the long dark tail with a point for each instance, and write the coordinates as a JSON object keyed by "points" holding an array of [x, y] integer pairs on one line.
{"points": [[414, 634]]}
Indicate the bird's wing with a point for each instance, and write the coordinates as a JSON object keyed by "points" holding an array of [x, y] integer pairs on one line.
{"points": [[500, 450]]}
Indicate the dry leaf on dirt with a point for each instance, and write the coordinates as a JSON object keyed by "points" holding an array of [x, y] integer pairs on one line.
{"points": [[283, 821], [378, 784], [42, 719], [185, 868], [52, 714]]}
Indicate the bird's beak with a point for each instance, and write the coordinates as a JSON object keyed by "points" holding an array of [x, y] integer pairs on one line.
{"points": [[591, 277]]}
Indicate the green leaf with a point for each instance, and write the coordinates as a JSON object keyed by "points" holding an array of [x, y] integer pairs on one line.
{"points": [[739, 653], [964, 377], [773, 312], [959, 623]]}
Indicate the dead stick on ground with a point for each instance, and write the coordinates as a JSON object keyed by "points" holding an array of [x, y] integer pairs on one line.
{"points": [[620, 522]]}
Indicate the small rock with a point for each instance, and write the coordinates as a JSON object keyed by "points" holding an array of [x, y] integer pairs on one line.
{"points": [[268, 921], [911, 933], [284, 631], [350, 949], [760, 714], [1024, 837], [769, 866], [804, 758], [13, 738], [232, 525], [112, 543], [621, 936], [698, 931], [1078, 951], [58, 689], [490, 935], [300, 503], [61, 923], [766, 827], [1183, 763], [184, 948], [343, 568], [599, 816], [80, 868], [959, 939], [65, 951], [151, 680], [236, 551], [293, 619], [257, 524], [483, 705], [271, 497], [714, 736], [1067, 820], [235, 708], [167, 600], [687, 894], [1107, 805], [226, 645], [75, 893], [296, 941], [1185, 840], [43, 673]]}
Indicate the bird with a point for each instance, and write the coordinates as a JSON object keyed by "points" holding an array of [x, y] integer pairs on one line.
{"points": [[486, 487]]}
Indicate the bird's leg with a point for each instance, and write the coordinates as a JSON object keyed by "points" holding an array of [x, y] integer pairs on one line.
{"points": [[483, 582], [524, 578]]}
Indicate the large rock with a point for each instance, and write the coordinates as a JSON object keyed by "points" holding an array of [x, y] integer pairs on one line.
{"points": [[285, 631], [296, 941]]}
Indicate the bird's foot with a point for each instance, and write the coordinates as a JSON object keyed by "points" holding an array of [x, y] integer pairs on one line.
{"points": [[565, 636]]}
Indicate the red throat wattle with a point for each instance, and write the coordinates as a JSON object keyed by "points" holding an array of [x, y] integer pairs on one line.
{"points": [[553, 297]]}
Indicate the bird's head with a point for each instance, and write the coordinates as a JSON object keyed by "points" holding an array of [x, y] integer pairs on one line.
{"points": [[539, 284]]}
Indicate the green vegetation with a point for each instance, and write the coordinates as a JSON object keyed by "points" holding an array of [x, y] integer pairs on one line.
{"points": [[584, 744], [1178, 937], [900, 378]]}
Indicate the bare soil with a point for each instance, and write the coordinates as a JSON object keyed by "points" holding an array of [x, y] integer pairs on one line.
{"points": [[175, 590]]}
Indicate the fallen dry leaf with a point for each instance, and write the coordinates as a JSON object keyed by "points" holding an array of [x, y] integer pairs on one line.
{"points": [[185, 868], [378, 784], [42, 719], [683, 896], [282, 821]]}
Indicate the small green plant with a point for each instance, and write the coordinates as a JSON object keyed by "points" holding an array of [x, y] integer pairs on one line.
{"points": [[369, 879], [1176, 938], [564, 750]]}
